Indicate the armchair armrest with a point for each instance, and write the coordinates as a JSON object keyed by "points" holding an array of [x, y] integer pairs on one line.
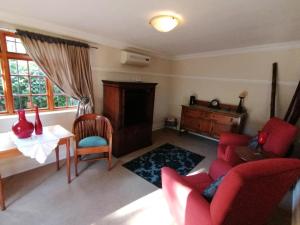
{"points": [[234, 139], [219, 168], [185, 202]]}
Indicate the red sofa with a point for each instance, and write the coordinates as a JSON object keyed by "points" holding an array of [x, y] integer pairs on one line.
{"points": [[247, 195], [280, 136]]}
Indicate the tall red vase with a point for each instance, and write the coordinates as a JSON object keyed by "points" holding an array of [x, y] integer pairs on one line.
{"points": [[38, 126], [22, 128]]}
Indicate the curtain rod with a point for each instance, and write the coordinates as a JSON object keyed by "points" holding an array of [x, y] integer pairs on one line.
{"points": [[51, 39]]}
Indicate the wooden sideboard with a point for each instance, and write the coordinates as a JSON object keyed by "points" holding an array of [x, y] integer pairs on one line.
{"points": [[202, 119]]}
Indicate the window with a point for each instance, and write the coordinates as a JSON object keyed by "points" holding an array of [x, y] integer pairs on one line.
{"points": [[23, 84], [2, 98]]}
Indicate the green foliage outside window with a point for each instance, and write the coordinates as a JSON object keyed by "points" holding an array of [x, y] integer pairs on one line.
{"points": [[2, 99], [28, 80]]}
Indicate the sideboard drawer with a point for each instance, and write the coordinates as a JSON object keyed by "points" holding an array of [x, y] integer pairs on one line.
{"points": [[223, 119]]}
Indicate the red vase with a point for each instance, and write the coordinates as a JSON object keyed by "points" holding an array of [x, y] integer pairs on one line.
{"points": [[22, 128], [38, 126]]}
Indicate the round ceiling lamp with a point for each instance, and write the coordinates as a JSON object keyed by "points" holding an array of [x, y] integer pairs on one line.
{"points": [[164, 23]]}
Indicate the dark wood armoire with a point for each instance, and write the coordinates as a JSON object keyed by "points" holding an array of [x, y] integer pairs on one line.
{"points": [[129, 106]]}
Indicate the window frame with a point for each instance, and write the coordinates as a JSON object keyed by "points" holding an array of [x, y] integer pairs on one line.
{"points": [[5, 56]]}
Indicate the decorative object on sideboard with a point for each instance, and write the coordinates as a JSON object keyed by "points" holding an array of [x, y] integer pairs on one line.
{"points": [[242, 96], [192, 100], [38, 126], [215, 104], [22, 128]]}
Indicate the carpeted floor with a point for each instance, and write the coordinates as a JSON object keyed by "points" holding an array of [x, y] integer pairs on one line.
{"points": [[97, 197]]}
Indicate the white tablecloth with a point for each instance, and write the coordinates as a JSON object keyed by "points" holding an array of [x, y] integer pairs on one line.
{"points": [[37, 147]]}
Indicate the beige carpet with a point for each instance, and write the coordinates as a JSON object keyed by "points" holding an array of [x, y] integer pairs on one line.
{"points": [[117, 197]]}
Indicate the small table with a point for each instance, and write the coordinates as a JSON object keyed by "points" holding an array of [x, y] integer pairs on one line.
{"points": [[247, 154], [9, 149]]}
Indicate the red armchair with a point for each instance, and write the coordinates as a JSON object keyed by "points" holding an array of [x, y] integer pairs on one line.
{"points": [[247, 195], [280, 136]]}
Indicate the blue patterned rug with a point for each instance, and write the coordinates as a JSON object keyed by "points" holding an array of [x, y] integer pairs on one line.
{"points": [[148, 166]]}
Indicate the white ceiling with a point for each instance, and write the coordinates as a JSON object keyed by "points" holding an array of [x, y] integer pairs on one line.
{"points": [[207, 25]]}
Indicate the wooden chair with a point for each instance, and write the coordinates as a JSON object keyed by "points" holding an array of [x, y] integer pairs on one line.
{"points": [[89, 125]]}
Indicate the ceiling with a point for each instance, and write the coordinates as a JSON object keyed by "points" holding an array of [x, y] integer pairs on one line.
{"points": [[207, 25]]}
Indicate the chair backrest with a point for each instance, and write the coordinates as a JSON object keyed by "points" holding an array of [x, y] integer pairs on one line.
{"points": [[250, 191], [280, 136], [92, 125]]}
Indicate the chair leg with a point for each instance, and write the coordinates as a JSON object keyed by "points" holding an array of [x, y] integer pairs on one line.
{"points": [[76, 163], [57, 157], [2, 198], [109, 161]]}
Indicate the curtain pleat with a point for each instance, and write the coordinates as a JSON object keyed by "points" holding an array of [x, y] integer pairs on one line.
{"points": [[66, 65]]}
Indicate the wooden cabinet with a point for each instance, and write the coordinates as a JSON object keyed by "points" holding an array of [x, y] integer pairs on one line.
{"points": [[202, 119], [129, 106]]}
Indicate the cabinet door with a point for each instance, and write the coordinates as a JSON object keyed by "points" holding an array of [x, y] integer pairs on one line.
{"points": [[204, 126], [189, 123]]}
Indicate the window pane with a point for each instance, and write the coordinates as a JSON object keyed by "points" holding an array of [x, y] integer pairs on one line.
{"points": [[60, 101], [15, 45], [20, 48], [56, 90], [13, 67], [34, 69], [22, 67], [8, 38], [22, 102], [11, 46], [20, 85], [38, 85], [1, 86], [72, 102], [40, 101], [2, 104]]}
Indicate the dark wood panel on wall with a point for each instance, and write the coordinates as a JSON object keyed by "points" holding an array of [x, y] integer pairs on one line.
{"points": [[129, 106]]}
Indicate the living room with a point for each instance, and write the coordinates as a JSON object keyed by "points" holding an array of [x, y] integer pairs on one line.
{"points": [[218, 50]]}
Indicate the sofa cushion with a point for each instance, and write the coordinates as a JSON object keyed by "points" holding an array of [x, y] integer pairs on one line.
{"points": [[92, 141]]}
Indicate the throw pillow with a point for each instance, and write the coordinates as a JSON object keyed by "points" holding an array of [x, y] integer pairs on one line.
{"points": [[253, 143], [210, 191]]}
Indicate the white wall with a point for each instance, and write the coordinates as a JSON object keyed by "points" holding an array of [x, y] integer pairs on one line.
{"points": [[226, 76]]}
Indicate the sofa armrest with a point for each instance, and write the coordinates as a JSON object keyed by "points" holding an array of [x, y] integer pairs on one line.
{"points": [[234, 139], [219, 168], [186, 204]]}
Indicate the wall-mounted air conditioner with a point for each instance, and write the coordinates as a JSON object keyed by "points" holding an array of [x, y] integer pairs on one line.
{"points": [[135, 59]]}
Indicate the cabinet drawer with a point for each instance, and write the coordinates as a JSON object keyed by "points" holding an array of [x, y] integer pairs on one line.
{"points": [[190, 124], [195, 113], [191, 113], [222, 119]]}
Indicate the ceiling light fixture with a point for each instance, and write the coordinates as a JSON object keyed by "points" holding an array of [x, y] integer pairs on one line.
{"points": [[164, 23]]}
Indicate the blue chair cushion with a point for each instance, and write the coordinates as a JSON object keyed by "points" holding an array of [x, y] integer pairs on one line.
{"points": [[92, 141], [210, 191]]}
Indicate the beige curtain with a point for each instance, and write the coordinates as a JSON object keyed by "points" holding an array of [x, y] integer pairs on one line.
{"points": [[66, 63]]}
